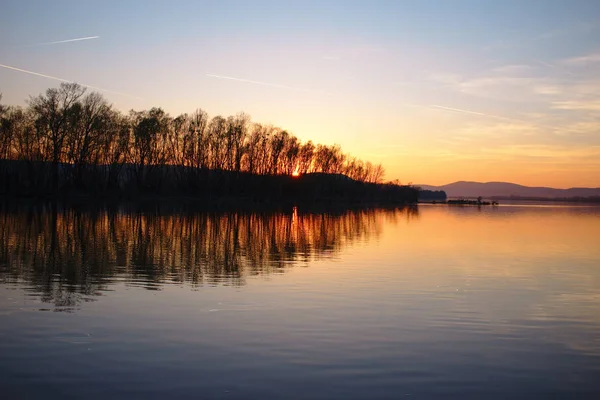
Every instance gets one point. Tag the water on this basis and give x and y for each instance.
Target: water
(434, 302)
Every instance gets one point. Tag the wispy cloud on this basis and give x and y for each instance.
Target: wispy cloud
(514, 83)
(523, 126)
(68, 81)
(513, 70)
(509, 82)
(590, 105)
(583, 60)
(61, 41)
(275, 85)
(547, 90)
(556, 152)
(578, 28)
(445, 78)
(553, 66)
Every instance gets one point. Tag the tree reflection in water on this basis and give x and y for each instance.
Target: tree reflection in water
(71, 254)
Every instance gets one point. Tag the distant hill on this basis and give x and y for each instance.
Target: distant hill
(505, 189)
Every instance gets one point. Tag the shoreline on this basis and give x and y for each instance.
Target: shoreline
(199, 203)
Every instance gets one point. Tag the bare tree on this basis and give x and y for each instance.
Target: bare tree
(291, 150)
(237, 128)
(52, 112)
(305, 157)
(150, 132)
(115, 147)
(277, 144)
(217, 133)
(89, 120)
(72, 131)
(377, 174)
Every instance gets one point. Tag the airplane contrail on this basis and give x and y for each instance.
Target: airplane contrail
(61, 41)
(68, 81)
(460, 110)
(546, 64)
(265, 84)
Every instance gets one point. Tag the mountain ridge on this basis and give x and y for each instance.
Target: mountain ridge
(508, 189)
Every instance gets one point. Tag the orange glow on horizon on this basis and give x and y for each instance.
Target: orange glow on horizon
(296, 172)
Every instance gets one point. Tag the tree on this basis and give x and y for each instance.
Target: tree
(66, 136)
(115, 146)
(305, 157)
(52, 114)
(377, 174)
(149, 133)
(276, 145)
(195, 143)
(89, 119)
(290, 155)
(236, 133)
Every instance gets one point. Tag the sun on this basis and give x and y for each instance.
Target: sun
(296, 172)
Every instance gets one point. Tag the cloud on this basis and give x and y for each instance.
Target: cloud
(275, 85)
(485, 86)
(553, 66)
(513, 69)
(556, 152)
(578, 28)
(68, 81)
(445, 78)
(583, 60)
(61, 41)
(548, 90)
(590, 105)
(499, 130)
(523, 83)
(543, 129)
(508, 82)
(580, 94)
(523, 127)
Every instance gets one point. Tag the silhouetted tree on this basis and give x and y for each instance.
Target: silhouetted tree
(53, 115)
(89, 121)
(150, 135)
(67, 137)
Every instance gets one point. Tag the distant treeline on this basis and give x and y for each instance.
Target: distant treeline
(67, 140)
(432, 195)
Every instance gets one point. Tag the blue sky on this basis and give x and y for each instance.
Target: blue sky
(436, 91)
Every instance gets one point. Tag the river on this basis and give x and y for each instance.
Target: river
(437, 301)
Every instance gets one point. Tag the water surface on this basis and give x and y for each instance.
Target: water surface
(439, 301)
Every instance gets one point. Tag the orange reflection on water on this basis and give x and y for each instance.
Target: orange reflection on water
(85, 248)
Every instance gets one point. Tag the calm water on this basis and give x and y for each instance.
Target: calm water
(434, 302)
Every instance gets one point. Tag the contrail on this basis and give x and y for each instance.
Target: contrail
(460, 110)
(68, 81)
(265, 84)
(61, 41)
(546, 64)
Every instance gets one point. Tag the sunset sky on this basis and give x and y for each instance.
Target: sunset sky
(436, 91)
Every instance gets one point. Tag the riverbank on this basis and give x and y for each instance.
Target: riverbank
(226, 189)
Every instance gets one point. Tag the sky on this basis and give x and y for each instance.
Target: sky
(435, 91)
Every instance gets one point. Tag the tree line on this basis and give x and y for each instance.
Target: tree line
(68, 138)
